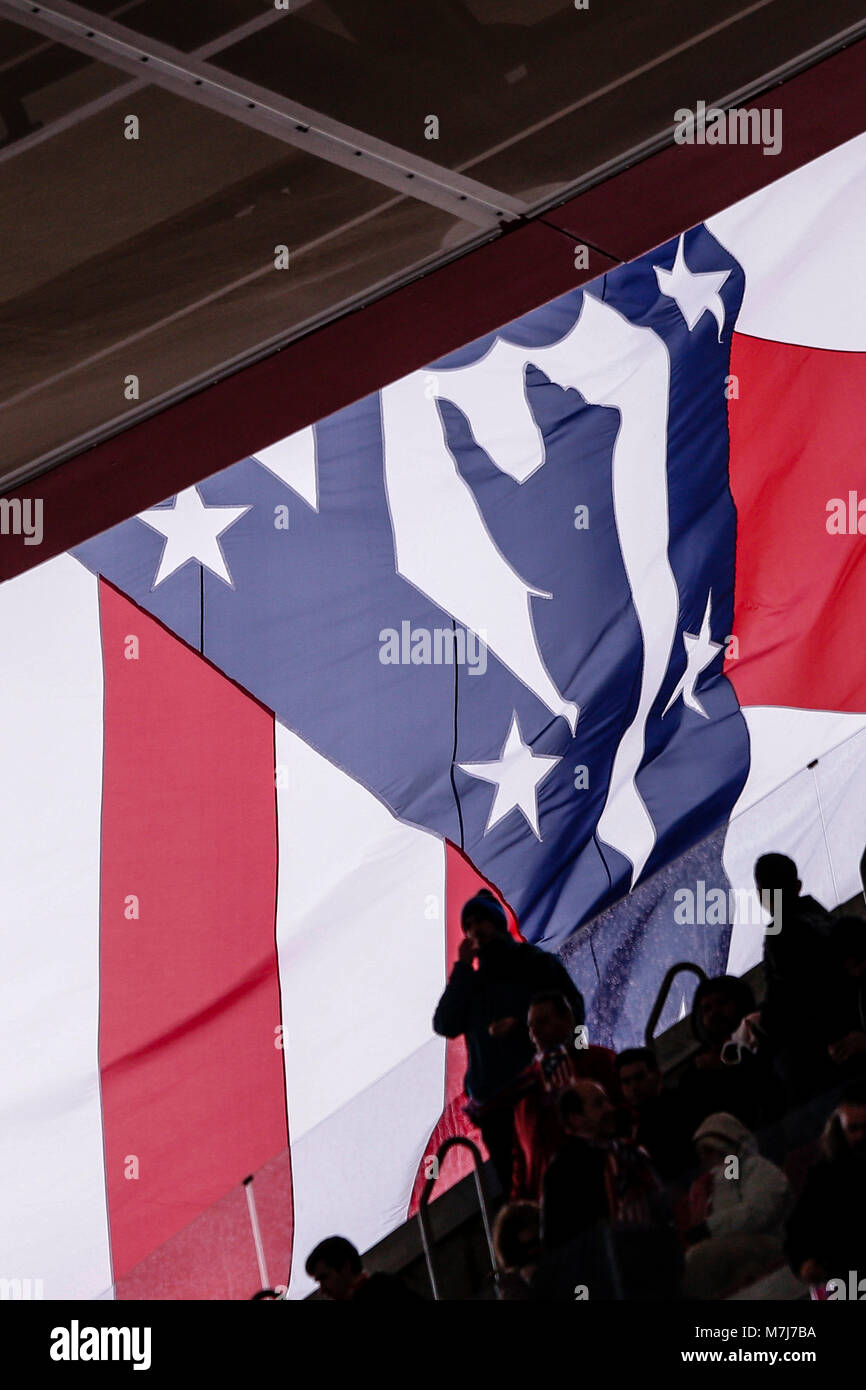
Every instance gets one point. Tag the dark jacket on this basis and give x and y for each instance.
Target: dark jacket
(846, 1007)
(796, 962)
(574, 1196)
(747, 1090)
(606, 1216)
(509, 973)
(797, 971)
(744, 1090)
(828, 1223)
(662, 1127)
(538, 1132)
(384, 1288)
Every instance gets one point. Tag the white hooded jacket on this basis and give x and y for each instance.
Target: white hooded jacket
(756, 1201)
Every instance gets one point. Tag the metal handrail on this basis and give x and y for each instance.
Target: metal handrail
(664, 991)
(427, 1193)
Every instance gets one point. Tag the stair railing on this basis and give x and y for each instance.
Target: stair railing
(424, 1216)
(664, 991)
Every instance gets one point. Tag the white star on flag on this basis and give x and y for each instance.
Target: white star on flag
(191, 532)
(517, 775)
(700, 651)
(694, 291)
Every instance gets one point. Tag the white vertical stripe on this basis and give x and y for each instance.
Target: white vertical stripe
(787, 819)
(782, 741)
(53, 1219)
(800, 242)
(353, 1174)
(361, 942)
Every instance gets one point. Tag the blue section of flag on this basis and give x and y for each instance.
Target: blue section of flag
(622, 956)
(301, 627)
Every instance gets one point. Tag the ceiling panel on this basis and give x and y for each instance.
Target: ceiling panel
(173, 286)
(504, 79)
(154, 257)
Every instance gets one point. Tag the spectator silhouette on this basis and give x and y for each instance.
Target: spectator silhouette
(657, 1118)
(709, 1085)
(486, 1000)
(604, 1211)
(737, 1209)
(796, 977)
(517, 1243)
(826, 1232)
(338, 1269)
(574, 1195)
(561, 1058)
(845, 1027)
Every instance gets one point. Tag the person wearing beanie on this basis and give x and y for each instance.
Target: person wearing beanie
(486, 1001)
(738, 1208)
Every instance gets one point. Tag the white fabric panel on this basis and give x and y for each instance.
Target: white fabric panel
(293, 460)
(789, 821)
(784, 741)
(361, 943)
(53, 1215)
(353, 1175)
(800, 242)
(841, 781)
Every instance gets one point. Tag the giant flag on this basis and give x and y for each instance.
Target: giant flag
(572, 612)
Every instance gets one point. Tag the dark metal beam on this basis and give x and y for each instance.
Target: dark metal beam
(267, 111)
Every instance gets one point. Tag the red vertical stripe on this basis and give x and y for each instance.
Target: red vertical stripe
(215, 1257)
(798, 440)
(192, 1082)
(462, 881)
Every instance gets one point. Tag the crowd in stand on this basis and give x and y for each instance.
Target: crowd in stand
(618, 1185)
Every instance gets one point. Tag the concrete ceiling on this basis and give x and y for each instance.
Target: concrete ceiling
(307, 128)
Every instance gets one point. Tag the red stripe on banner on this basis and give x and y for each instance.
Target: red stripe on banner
(215, 1257)
(798, 441)
(462, 882)
(193, 1090)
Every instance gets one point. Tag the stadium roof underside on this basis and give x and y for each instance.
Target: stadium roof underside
(430, 174)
